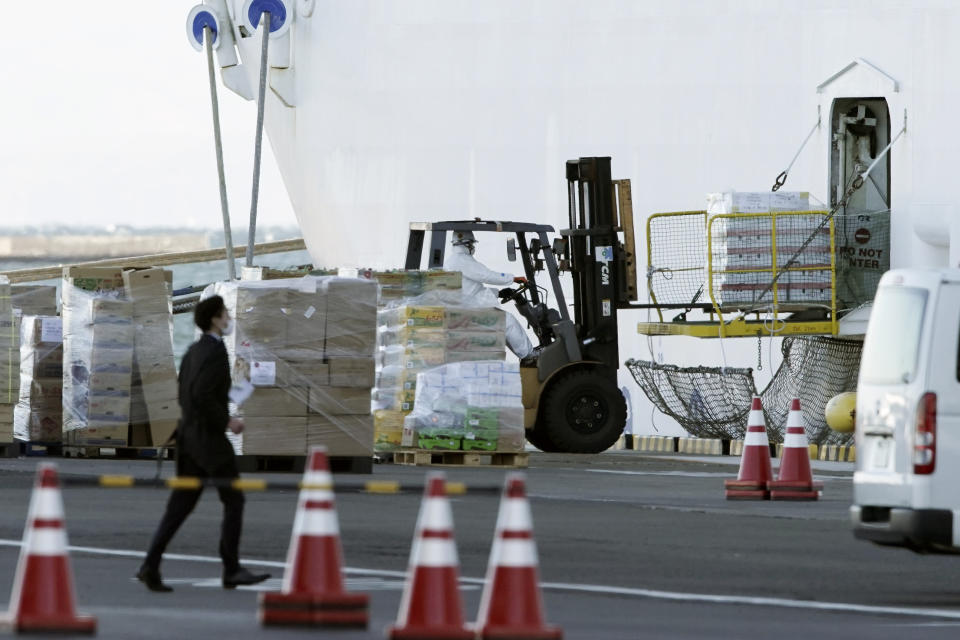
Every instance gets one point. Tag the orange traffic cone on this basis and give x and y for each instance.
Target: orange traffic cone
(755, 472)
(313, 588)
(431, 606)
(43, 598)
(795, 479)
(511, 605)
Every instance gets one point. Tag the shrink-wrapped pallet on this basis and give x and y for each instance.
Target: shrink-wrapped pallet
(307, 347)
(469, 406)
(38, 416)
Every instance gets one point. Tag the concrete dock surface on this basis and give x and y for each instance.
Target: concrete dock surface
(631, 546)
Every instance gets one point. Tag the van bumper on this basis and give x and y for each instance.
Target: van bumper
(919, 529)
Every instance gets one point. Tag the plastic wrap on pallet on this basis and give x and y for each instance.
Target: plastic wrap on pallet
(469, 406)
(98, 340)
(38, 416)
(9, 360)
(154, 406)
(306, 346)
(34, 299)
(422, 333)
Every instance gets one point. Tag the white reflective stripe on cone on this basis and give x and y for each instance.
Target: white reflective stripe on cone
(322, 495)
(46, 504)
(795, 440)
(319, 478)
(755, 438)
(795, 419)
(47, 541)
(436, 514)
(514, 515)
(756, 419)
(516, 552)
(316, 522)
(436, 552)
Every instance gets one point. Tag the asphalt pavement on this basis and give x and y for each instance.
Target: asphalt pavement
(631, 546)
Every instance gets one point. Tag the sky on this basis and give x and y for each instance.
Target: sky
(106, 119)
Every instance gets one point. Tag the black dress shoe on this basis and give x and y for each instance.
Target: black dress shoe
(151, 578)
(242, 577)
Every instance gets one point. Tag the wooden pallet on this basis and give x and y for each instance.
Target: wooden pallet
(251, 463)
(9, 449)
(41, 449)
(421, 457)
(119, 453)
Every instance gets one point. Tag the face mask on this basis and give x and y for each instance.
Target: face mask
(227, 330)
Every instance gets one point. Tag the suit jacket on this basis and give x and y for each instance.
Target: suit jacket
(204, 385)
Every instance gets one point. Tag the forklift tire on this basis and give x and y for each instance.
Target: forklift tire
(538, 438)
(582, 412)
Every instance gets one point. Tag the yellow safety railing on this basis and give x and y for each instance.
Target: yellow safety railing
(775, 271)
(687, 250)
(698, 220)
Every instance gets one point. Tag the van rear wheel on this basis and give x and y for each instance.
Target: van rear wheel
(582, 412)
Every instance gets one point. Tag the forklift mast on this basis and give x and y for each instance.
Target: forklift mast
(596, 257)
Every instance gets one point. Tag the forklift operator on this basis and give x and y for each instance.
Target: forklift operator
(475, 275)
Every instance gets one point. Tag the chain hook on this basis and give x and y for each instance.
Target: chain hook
(759, 353)
(779, 182)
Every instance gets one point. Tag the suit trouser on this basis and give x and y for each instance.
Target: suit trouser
(181, 504)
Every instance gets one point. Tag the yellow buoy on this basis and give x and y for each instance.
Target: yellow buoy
(841, 412)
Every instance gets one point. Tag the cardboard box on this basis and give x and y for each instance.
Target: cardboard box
(149, 290)
(108, 360)
(275, 436)
(305, 315)
(342, 435)
(313, 373)
(94, 278)
(480, 319)
(104, 310)
(110, 434)
(112, 334)
(288, 402)
(111, 407)
(161, 430)
(387, 429)
(352, 372)
(476, 341)
(351, 329)
(339, 401)
(34, 299)
(118, 382)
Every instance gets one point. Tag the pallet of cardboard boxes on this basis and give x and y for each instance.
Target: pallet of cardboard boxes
(307, 346)
(119, 378)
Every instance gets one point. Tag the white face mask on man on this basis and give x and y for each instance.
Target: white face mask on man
(228, 328)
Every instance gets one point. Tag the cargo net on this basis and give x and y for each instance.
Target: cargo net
(678, 257)
(711, 402)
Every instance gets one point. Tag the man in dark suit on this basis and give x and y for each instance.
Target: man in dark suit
(203, 450)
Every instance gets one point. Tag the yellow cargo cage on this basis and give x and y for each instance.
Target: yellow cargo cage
(751, 274)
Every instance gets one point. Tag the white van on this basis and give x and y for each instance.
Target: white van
(906, 488)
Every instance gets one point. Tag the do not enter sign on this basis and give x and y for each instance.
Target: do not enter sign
(862, 236)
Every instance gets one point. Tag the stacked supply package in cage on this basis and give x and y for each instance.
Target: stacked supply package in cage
(418, 336)
(307, 346)
(38, 416)
(469, 406)
(743, 247)
(154, 409)
(9, 360)
(98, 339)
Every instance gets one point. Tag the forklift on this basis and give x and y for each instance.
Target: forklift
(571, 399)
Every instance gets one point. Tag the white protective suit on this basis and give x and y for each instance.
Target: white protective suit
(475, 275)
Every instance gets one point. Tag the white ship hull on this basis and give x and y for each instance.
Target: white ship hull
(381, 113)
